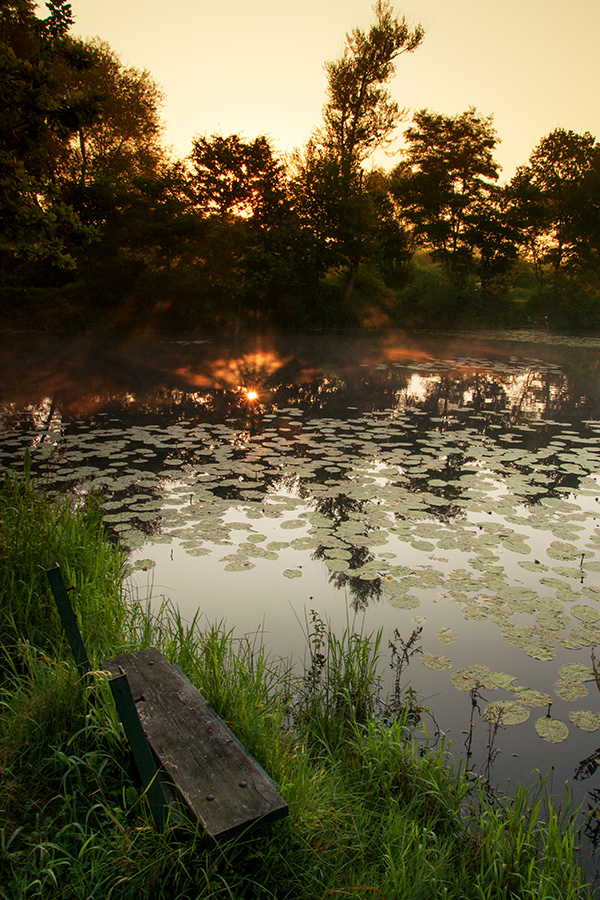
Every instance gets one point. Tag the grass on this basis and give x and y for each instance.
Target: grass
(376, 810)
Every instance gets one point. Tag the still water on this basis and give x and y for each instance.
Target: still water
(444, 482)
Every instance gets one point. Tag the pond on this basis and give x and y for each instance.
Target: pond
(442, 482)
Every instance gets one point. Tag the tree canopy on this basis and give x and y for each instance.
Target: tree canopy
(98, 220)
(446, 182)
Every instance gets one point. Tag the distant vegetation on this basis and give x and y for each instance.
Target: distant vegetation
(99, 226)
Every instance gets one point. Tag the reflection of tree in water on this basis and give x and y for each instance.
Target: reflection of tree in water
(341, 509)
(451, 391)
(515, 395)
(364, 591)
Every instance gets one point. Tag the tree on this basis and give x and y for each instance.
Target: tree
(582, 231)
(253, 253)
(37, 118)
(556, 196)
(359, 117)
(122, 138)
(446, 186)
(233, 177)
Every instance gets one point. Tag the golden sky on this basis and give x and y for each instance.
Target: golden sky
(256, 66)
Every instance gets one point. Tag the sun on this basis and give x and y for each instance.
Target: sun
(251, 395)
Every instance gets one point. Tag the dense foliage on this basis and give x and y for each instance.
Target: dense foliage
(98, 225)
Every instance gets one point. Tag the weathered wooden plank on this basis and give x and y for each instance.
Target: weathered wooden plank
(223, 786)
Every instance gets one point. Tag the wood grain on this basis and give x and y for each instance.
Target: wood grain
(221, 784)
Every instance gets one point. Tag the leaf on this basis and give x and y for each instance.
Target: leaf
(584, 719)
(552, 730)
(435, 662)
(506, 712)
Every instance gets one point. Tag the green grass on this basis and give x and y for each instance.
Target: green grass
(375, 809)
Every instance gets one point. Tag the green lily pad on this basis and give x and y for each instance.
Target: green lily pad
(570, 690)
(506, 712)
(446, 635)
(404, 601)
(564, 551)
(144, 564)
(530, 697)
(584, 719)
(585, 613)
(502, 680)
(552, 730)
(435, 662)
(575, 672)
(473, 676)
(539, 652)
(242, 565)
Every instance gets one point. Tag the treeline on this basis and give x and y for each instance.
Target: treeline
(100, 226)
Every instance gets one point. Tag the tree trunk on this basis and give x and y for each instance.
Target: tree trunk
(350, 284)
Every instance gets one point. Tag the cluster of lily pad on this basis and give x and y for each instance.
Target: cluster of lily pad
(496, 513)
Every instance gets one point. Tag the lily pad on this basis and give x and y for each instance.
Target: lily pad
(584, 719)
(506, 712)
(144, 564)
(570, 690)
(446, 635)
(241, 565)
(530, 697)
(585, 613)
(502, 680)
(435, 662)
(552, 730)
(404, 601)
(472, 677)
(564, 551)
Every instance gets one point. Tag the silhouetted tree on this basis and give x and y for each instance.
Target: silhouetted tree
(556, 196)
(359, 116)
(38, 116)
(446, 186)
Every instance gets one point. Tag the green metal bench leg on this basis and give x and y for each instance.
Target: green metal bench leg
(124, 702)
(140, 749)
(69, 619)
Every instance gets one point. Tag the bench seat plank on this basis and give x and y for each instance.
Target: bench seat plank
(222, 785)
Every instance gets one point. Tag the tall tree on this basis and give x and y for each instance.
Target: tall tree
(360, 114)
(37, 118)
(122, 139)
(446, 184)
(558, 213)
(253, 254)
(359, 117)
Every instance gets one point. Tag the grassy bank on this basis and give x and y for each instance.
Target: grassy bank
(371, 813)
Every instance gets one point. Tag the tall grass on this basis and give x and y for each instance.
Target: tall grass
(374, 812)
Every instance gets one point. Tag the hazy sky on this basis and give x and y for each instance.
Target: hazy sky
(256, 66)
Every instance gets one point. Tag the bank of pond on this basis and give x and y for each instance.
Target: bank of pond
(379, 803)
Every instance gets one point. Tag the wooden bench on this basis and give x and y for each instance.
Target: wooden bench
(181, 747)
